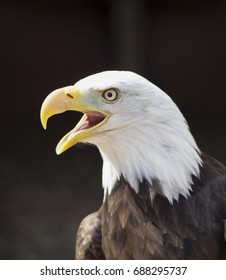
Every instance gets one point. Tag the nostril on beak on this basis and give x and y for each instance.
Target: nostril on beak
(69, 96)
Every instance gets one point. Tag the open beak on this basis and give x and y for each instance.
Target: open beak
(69, 98)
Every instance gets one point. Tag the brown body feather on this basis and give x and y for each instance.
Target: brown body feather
(131, 226)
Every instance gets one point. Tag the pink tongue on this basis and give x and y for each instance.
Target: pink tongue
(94, 120)
(89, 120)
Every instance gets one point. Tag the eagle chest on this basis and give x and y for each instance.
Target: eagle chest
(134, 228)
(128, 232)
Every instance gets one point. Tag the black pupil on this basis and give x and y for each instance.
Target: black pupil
(109, 94)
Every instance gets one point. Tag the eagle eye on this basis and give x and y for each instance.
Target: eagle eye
(110, 95)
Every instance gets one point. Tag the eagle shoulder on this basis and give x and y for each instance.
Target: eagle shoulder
(88, 240)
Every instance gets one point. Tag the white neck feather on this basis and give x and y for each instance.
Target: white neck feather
(158, 147)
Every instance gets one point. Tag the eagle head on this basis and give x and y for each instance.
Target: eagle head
(138, 129)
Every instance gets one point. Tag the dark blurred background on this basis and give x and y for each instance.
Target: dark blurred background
(179, 45)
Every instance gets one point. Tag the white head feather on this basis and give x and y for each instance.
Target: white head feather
(146, 136)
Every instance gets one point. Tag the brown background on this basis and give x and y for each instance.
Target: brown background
(179, 45)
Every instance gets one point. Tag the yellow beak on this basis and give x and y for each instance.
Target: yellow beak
(69, 98)
(58, 101)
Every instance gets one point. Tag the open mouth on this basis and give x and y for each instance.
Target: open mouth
(71, 99)
(89, 120)
(84, 129)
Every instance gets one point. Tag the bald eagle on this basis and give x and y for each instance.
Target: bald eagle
(163, 197)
